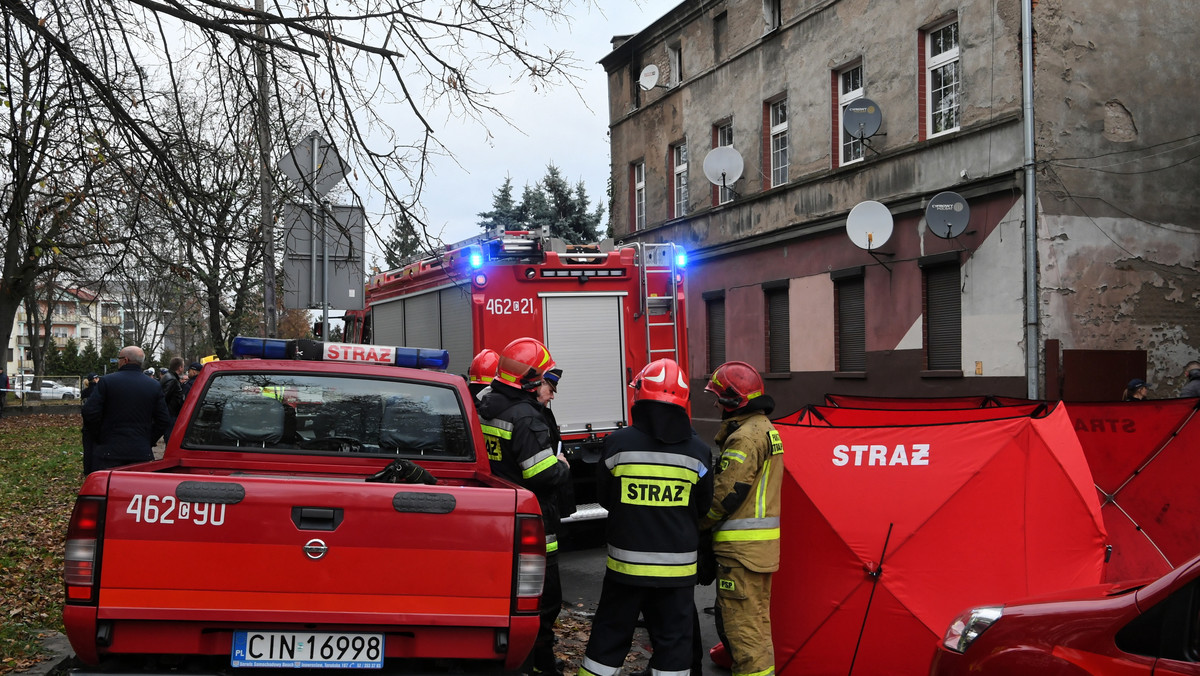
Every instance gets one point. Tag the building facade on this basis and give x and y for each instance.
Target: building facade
(75, 313)
(776, 280)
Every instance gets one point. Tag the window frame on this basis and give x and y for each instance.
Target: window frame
(777, 140)
(845, 98)
(637, 194)
(679, 179)
(723, 136)
(675, 64)
(951, 57)
(772, 15)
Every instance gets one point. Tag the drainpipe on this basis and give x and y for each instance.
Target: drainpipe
(1032, 347)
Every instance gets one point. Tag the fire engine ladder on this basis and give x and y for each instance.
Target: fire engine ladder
(659, 259)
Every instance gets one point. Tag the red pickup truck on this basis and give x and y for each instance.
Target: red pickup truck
(269, 535)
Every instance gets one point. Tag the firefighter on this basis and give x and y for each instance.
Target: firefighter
(655, 479)
(520, 449)
(482, 371)
(744, 516)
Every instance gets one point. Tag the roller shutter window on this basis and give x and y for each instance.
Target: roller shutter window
(943, 318)
(715, 308)
(778, 331)
(851, 325)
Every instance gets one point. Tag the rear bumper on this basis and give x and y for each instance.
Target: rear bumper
(149, 647)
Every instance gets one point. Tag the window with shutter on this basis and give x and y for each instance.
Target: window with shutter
(778, 331)
(715, 308)
(851, 325)
(943, 318)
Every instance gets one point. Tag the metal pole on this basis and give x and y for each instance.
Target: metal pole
(266, 203)
(315, 221)
(324, 273)
(1032, 348)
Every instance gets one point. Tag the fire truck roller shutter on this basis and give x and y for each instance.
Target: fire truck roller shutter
(387, 323)
(422, 321)
(456, 328)
(584, 333)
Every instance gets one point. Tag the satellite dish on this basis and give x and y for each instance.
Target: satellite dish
(862, 118)
(947, 214)
(869, 225)
(649, 78)
(723, 166)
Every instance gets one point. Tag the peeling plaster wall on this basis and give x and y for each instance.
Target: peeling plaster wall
(1117, 182)
(1113, 283)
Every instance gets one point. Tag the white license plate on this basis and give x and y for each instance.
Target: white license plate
(307, 650)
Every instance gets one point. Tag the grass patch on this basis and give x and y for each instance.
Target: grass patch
(41, 469)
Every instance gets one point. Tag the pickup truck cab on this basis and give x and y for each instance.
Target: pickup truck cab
(269, 535)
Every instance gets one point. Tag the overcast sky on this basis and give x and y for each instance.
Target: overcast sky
(558, 126)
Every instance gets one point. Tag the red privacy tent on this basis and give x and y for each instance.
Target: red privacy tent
(1144, 458)
(889, 532)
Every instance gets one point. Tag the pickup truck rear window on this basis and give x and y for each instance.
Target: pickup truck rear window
(274, 412)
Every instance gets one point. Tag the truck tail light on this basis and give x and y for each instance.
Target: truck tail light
(82, 555)
(529, 571)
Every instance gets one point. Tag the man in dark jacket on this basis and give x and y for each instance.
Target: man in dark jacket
(520, 449)
(656, 482)
(193, 372)
(125, 415)
(172, 390)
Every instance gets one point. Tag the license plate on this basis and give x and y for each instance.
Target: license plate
(307, 650)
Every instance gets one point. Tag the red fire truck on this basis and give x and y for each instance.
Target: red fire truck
(603, 310)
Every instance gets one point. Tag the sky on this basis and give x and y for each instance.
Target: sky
(560, 126)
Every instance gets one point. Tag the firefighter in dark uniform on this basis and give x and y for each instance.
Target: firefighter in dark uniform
(520, 449)
(482, 371)
(656, 481)
(744, 517)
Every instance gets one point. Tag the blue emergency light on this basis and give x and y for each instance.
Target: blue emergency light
(475, 257)
(312, 350)
(264, 348)
(680, 258)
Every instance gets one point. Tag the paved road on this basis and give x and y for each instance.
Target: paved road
(581, 566)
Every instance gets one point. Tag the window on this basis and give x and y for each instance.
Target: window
(720, 28)
(679, 163)
(850, 323)
(944, 78)
(723, 136)
(639, 195)
(675, 61)
(330, 414)
(850, 89)
(772, 14)
(779, 142)
(714, 308)
(777, 329)
(943, 313)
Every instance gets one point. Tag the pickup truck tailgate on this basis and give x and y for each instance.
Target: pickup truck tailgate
(243, 549)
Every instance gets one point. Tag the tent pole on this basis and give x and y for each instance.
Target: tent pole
(874, 575)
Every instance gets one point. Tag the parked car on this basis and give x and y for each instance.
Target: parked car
(1151, 627)
(50, 390)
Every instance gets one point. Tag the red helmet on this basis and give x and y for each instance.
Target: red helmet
(661, 380)
(523, 362)
(483, 368)
(735, 383)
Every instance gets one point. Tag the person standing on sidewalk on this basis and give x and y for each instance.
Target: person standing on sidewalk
(744, 516)
(125, 415)
(656, 482)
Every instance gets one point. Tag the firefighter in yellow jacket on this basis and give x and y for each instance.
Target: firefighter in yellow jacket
(744, 517)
